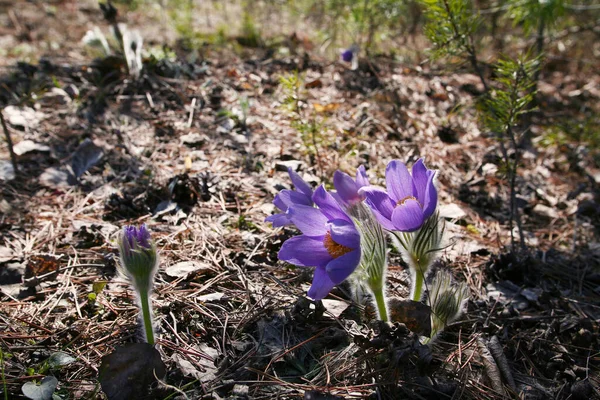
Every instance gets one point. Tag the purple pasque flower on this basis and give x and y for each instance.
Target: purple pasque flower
(329, 241)
(348, 188)
(138, 255)
(347, 55)
(350, 55)
(137, 236)
(302, 195)
(409, 200)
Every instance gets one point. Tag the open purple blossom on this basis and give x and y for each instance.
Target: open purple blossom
(409, 200)
(302, 195)
(329, 241)
(348, 188)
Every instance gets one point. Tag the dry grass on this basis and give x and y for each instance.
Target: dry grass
(240, 325)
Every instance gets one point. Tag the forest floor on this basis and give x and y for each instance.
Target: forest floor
(197, 150)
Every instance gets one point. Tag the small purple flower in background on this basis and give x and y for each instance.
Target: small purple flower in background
(302, 195)
(409, 200)
(350, 55)
(348, 188)
(329, 242)
(347, 55)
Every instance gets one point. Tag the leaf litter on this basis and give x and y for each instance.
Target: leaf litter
(229, 314)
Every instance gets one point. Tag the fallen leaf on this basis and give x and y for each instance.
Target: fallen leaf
(335, 307)
(317, 83)
(211, 297)
(206, 371)
(452, 211)
(327, 108)
(60, 359)
(129, 371)
(86, 156)
(414, 314)
(6, 254)
(7, 172)
(26, 146)
(41, 391)
(164, 207)
(42, 265)
(11, 273)
(186, 367)
(185, 268)
(22, 117)
(55, 178)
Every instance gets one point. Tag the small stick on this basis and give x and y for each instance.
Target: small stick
(191, 117)
(13, 157)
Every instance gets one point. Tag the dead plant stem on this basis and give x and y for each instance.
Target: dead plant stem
(13, 157)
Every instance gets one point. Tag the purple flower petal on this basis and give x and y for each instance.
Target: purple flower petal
(408, 217)
(361, 177)
(420, 179)
(287, 198)
(321, 284)
(309, 220)
(342, 267)
(385, 222)
(304, 251)
(380, 200)
(300, 184)
(143, 237)
(278, 220)
(398, 181)
(344, 233)
(328, 205)
(431, 198)
(337, 198)
(346, 187)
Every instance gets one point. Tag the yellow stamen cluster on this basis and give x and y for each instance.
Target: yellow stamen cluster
(404, 200)
(334, 249)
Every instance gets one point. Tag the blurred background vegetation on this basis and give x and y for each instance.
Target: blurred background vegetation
(446, 34)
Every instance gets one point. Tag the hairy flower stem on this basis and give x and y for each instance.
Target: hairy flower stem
(380, 302)
(418, 285)
(374, 255)
(147, 316)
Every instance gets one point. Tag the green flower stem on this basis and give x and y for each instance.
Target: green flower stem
(418, 288)
(380, 301)
(146, 317)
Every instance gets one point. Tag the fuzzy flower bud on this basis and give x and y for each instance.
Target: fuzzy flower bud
(138, 255)
(373, 264)
(446, 299)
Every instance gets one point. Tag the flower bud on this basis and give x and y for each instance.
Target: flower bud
(138, 256)
(446, 306)
(446, 299)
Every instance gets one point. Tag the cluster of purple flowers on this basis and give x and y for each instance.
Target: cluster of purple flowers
(331, 238)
